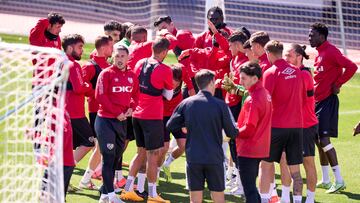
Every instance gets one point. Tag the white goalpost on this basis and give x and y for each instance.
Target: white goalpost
(32, 92)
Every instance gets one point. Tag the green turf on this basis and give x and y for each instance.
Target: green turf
(346, 145)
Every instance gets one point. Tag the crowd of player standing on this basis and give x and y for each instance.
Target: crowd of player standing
(282, 112)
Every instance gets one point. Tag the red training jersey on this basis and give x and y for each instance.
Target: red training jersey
(309, 116)
(75, 95)
(329, 65)
(89, 73)
(68, 154)
(264, 63)
(116, 91)
(204, 39)
(169, 106)
(37, 36)
(152, 107)
(287, 89)
(255, 115)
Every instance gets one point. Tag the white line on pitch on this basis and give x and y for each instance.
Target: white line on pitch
(354, 86)
(349, 112)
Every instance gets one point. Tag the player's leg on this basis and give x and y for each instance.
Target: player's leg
(84, 136)
(249, 168)
(94, 161)
(294, 157)
(195, 181)
(285, 179)
(164, 151)
(310, 135)
(214, 176)
(141, 178)
(68, 171)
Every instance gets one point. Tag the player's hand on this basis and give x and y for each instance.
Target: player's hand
(212, 27)
(121, 117)
(357, 129)
(129, 112)
(184, 53)
(335, 90)
(191, 92)
(162, 32)
(184, 130)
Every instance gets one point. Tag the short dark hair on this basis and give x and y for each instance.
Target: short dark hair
(160, 44)
(247, 44)
(251, 69)
(71, 39)
(102, 41)
(55, 18)
(126, 30)
(260, 37)
(300, 50)
(121, 48)
(215, 9)
(321, 28)
(274, 47)
(112, 25)
(161, 19)
(203, 78)
(177, 72)
(238, 36)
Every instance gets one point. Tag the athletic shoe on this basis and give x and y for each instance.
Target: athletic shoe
(235, 191)
(167, 173)
(89, 185)
(104, 200)
(119, 184)
(97, 175)
(323, 185)
(157, 199)
(143, 194)
(230, 183)
(336, 187)
(131, 196)
(73, 188)
(274, 199)
(116, 200)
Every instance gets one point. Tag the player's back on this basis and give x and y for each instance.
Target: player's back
(285, 84)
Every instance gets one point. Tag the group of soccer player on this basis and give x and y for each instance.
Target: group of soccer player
(282, 112)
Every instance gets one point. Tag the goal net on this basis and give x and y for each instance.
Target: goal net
(32, 92)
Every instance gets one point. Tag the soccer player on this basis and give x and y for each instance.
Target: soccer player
(76, 89)
(257, 42)
(91, 71)
(295, 56)
(187, 42)
(216, 16)
(332, 70)
(113, 29)
(203, 117)
(155, 79)
(253, 141)
(125, 35)
(47, 30)
(356, 129)
(284, 83)
(180, 137)
(117, 94)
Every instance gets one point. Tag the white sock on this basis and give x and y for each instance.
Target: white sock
(169, 160)
(87, 175)
(152, 189)
(265, 198)
(310, 197)
(229, 172)
(237, 178)
(338, 177)
(103, 196)
(118, 175)
(285, 193)
(112, 195)
(325, 174)
(129, 186)
(272, 190)
(141, 177)
(297, 198)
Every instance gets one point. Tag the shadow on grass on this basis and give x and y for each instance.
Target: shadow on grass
(84, 193)
(351, 195)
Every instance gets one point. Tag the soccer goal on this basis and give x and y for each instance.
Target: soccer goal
(32, 92)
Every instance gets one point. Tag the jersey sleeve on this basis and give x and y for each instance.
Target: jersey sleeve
(76, 79)
(88, 72)
(269, 81)
(37, 34)
(134, 93)
(168, 79)
(228, 121)
(222, 41)
(344, 63)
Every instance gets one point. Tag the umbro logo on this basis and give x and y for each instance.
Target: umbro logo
(288, 71)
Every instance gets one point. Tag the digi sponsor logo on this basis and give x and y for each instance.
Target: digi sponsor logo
(122, 89)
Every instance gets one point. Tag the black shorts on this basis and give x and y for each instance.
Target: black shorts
(327, 112)
(213, 174)
(310, 135)
(177, 135)
(92, 117)
(111, 135)
(130, 130)
(235, 110)
(83, 135)
(149, 134)
(289, 140)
